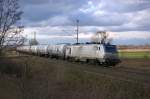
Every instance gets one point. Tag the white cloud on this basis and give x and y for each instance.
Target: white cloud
(90, 7)
(131, 35)
(123, 19)
(56, 32)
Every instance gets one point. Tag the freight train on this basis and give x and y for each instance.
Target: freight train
(104, 54)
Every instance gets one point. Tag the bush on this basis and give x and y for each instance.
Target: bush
(8, 67)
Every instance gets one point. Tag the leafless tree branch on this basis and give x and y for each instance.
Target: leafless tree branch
(10, 31)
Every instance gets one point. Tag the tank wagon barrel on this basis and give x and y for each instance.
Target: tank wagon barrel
(42, 50)
(100, 53)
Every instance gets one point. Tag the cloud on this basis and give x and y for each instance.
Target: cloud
(130, 35)
(56, 32)
(56, 21)
(90, 13)
(122, 6)
(120, 17)
(35, 2)
(44, 11)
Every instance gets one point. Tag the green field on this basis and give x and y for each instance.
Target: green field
(142, 54)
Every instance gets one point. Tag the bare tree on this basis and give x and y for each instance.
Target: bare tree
(10, 14)
(101, 37)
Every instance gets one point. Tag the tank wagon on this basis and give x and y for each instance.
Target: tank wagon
(33, 49)
(58, 51)
(24, 49)
(100, 53)
(42, 50)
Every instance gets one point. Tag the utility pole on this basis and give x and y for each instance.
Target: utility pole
(77, 31)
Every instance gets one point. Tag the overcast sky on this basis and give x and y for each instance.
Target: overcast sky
(126, 21)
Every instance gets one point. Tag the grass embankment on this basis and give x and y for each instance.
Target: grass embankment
(134, 54)
(57, 79)
(89, 86)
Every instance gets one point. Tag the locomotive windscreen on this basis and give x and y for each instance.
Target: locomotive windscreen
(110, 48)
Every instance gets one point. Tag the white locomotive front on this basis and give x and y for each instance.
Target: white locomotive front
(104, 54)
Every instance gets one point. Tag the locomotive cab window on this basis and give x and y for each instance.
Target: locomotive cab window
(110, 48)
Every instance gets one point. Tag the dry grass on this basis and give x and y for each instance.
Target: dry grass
(94, 87)
(57, 79)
